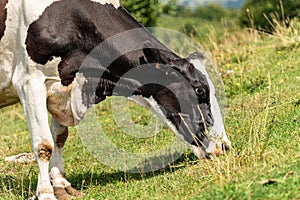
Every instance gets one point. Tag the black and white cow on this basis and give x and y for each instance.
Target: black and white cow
(62, 56)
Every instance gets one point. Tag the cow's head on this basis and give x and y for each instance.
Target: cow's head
(181, 88)
(186, 97)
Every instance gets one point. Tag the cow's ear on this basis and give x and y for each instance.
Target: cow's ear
(154, 55)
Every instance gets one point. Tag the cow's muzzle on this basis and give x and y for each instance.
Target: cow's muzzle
(216, 147)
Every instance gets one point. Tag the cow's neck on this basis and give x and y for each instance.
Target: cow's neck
(114, 38)
(114, 42)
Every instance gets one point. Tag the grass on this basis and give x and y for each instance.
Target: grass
(261, 74)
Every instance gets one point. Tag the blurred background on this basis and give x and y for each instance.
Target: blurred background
(197, 18)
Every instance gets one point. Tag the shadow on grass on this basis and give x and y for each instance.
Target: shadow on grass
(102, 178)
(20, 180)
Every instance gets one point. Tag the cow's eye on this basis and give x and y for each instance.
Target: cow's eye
(201, 92)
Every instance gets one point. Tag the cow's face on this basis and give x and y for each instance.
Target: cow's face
(187, 99)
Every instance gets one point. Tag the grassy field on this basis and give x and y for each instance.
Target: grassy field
(261, 74)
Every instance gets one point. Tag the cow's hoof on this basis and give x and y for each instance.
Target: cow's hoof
(72, 191)
(66, 193)
(61, 194)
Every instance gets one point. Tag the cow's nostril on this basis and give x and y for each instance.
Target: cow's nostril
(207, 155)
(225, 147)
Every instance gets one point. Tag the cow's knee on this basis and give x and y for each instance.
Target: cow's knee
(59, 133)
(44, 150)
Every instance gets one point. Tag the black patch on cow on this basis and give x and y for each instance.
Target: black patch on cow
(3, 15)
(71, 29)
(72, 26)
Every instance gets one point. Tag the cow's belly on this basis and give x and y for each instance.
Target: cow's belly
(8, 94)
(8, 97)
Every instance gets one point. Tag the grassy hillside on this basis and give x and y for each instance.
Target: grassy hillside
(226, 3)
(261, 74)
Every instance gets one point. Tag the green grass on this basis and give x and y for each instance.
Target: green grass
(262, 80)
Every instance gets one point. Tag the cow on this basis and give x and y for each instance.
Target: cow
(63, 56)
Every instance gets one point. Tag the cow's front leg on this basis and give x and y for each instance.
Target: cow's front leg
(32, 93)
(62, 187)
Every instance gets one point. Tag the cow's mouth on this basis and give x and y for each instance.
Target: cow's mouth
(205, 142)
(217, 146)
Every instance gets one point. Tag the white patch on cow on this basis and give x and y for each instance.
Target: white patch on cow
(215, 109)
(153, 106)
(78, 108)
(115, 3)
(57, 130)
(218, 129)
(33, 9)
